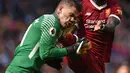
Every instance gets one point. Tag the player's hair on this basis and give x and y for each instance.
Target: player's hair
(72, 3)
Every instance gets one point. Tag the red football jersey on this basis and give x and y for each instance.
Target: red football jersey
(91, 14)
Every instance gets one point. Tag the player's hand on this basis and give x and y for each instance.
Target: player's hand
(86, 46)
(78, 47)
(99, 26)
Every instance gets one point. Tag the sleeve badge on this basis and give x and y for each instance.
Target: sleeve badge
(52, 31)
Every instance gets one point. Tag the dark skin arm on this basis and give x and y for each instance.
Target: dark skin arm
(112, 22)
(110, 26)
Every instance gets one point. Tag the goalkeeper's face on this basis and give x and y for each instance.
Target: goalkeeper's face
(67, 16)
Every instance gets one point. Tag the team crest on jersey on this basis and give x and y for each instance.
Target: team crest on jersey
(52, 31)
(108, 11)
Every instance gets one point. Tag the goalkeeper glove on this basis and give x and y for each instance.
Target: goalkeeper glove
(86, 45)
(76, 47)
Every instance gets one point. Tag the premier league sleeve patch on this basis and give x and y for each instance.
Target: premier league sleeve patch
(52, 31)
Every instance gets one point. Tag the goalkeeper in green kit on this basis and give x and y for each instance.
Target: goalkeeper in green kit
(39, 41)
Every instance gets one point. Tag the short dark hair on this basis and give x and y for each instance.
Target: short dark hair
(75, 3)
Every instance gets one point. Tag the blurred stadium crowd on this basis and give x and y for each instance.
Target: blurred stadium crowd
(16, 15)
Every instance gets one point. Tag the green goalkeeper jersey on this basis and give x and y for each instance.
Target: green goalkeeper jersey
(39, 43)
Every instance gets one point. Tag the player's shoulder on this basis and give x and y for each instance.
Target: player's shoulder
(112, 3)
(49, 16)
(46, 17)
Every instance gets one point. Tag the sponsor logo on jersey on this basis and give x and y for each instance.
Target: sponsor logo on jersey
(52, 31)
(88, 21)
(88, 13)
(91, 23)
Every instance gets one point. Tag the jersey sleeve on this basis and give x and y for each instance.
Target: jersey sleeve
(65, 40)
(116, 11)
(47, 45)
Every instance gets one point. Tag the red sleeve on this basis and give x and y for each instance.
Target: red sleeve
(67, 39)
(70, 39)
(116, 11)
(81, 29)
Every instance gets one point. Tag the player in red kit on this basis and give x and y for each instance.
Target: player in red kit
(99, 19)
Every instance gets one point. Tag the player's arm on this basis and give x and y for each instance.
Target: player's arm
(48, 48)
(49, 51)
(113, 20)
(68, 39)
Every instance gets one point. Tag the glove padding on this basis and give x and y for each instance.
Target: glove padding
(84, 46)
(79, 47)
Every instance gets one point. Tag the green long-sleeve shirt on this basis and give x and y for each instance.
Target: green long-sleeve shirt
(39, 43)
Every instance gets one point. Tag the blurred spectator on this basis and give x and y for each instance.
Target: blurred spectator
(2, 6)
(4, 60)
(123, 69)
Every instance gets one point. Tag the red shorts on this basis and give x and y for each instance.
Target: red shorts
(89, 63)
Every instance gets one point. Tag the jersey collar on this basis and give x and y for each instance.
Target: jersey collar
(98, 7)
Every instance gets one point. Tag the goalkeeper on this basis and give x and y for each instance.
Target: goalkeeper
(39, 41)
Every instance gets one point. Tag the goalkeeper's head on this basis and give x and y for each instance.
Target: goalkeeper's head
(67, 12)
